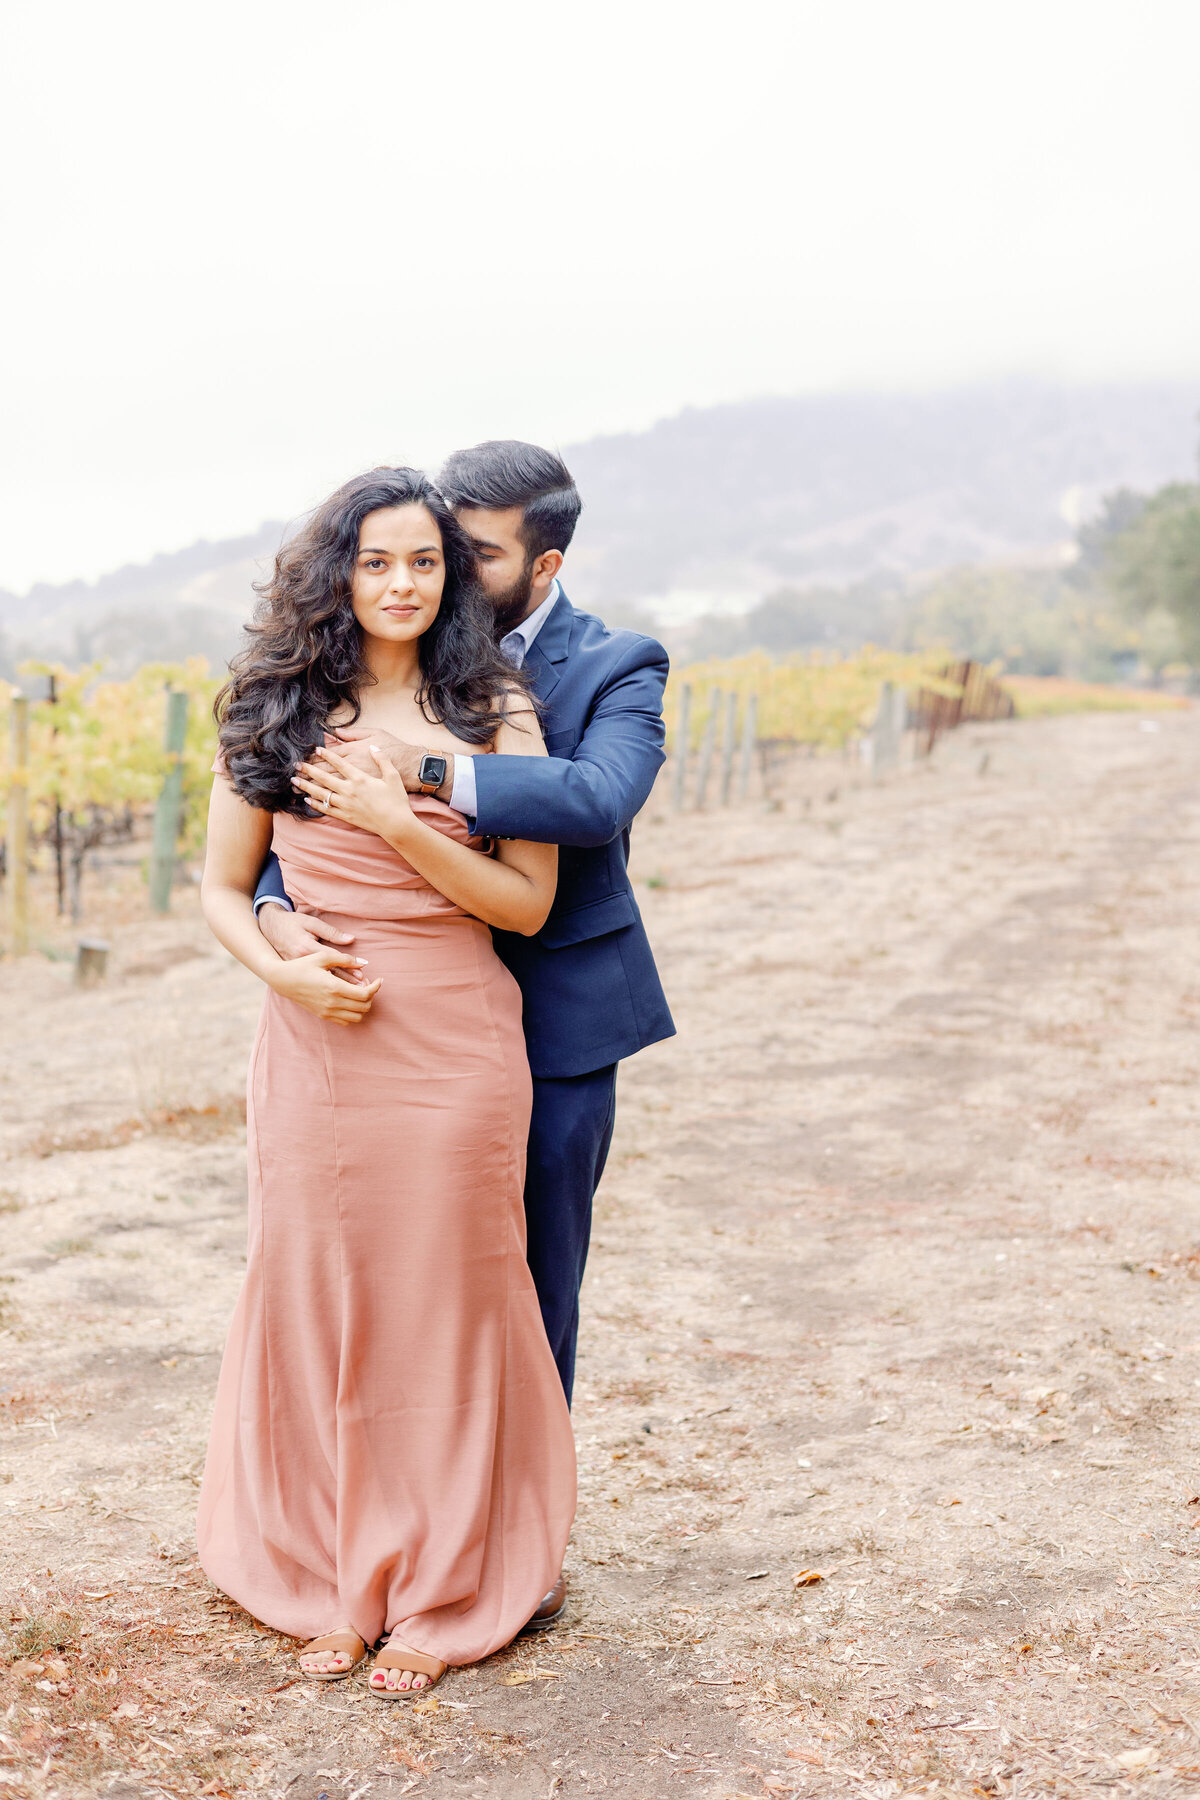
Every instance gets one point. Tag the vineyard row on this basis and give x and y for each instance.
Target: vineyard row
(98, 756)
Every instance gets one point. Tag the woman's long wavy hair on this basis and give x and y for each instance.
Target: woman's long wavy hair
(304, 659)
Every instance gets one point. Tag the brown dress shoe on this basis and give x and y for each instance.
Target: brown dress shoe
(552, 1608)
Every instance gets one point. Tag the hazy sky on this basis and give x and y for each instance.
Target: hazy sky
(252, 246)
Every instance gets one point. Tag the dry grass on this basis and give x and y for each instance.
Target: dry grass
(195, 1122)
(1044, 696)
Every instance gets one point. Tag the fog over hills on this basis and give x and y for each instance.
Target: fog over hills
(186, 603)
(712, 509)
(736, 500)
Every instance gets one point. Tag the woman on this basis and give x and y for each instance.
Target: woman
(391, 1451)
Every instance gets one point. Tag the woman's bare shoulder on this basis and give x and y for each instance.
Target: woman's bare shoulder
(520, 730)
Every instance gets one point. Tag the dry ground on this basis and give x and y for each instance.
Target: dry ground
(894, 1279)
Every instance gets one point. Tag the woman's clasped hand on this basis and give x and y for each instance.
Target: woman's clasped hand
(377, 803)
(313, 982)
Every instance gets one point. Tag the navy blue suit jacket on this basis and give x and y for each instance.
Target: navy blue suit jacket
(591, 991)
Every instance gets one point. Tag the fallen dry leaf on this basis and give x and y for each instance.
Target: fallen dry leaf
(128, 1709)
(806, 1577)
(1138, 1759)
(29, 1668)
(56, 1667)
(520, 1676)
(808, 1756)
(426, 1706)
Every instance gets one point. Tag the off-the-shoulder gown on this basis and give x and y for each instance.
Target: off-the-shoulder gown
(391, 1448)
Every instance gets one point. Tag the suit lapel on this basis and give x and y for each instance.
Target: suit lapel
(549, 649)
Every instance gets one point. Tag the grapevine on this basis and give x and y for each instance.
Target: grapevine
(96, 753)
(810, 698)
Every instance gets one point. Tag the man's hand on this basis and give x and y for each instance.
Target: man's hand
(295, 934)
(356, 741)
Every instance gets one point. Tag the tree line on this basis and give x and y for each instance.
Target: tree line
(1125, 606)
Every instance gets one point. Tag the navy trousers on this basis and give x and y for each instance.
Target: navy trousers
(569, 1135)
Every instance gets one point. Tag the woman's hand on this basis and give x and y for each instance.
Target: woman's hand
(311, 982)
(377, 803)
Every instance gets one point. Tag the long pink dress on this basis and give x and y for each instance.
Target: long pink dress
(391, 1448)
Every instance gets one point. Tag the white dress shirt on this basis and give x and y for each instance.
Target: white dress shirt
(515, 645)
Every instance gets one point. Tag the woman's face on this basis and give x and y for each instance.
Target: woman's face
(399, 573)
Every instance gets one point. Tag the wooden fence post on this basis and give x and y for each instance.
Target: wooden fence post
(683, 732)
(91, 961)
(707, 745)
(17, 835)
(728, 742)
(749, 736)
(59, 869)
(881, 745)
(170, 807)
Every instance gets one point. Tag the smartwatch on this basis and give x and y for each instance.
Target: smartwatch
(432, 773)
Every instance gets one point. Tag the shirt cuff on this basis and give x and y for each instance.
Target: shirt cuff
(273, 900)
(462, 793)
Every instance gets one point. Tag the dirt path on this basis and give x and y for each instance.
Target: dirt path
(894, 1279)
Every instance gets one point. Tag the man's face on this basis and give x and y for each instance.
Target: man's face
(506, 571)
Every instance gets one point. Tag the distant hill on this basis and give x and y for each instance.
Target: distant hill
(737, 500)
(712, 509)
(184, 603)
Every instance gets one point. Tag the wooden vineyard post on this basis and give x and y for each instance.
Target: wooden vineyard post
(883, 741)
(170, 807)
(59, 871)
(728, 743)
(749, 737)
(17, 835)
(683, 731)
(707, 746)
(91, 961)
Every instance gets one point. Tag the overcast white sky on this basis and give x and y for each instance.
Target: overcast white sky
(252, 246)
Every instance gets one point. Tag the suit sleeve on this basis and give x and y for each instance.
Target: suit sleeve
(593, 796)
(270, 884)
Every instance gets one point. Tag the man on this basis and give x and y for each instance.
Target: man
(591, 991)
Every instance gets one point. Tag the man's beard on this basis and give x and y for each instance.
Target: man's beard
(510, 607)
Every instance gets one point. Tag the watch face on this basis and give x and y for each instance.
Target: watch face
(433, 770)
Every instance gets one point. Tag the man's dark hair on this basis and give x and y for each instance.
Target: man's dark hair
(504, 473)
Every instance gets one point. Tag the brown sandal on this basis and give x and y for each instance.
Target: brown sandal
(395, 1656)
(346, 1640)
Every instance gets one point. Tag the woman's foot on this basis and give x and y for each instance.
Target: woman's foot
(331, 1657)
(391, 1678)
(398, 1679)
